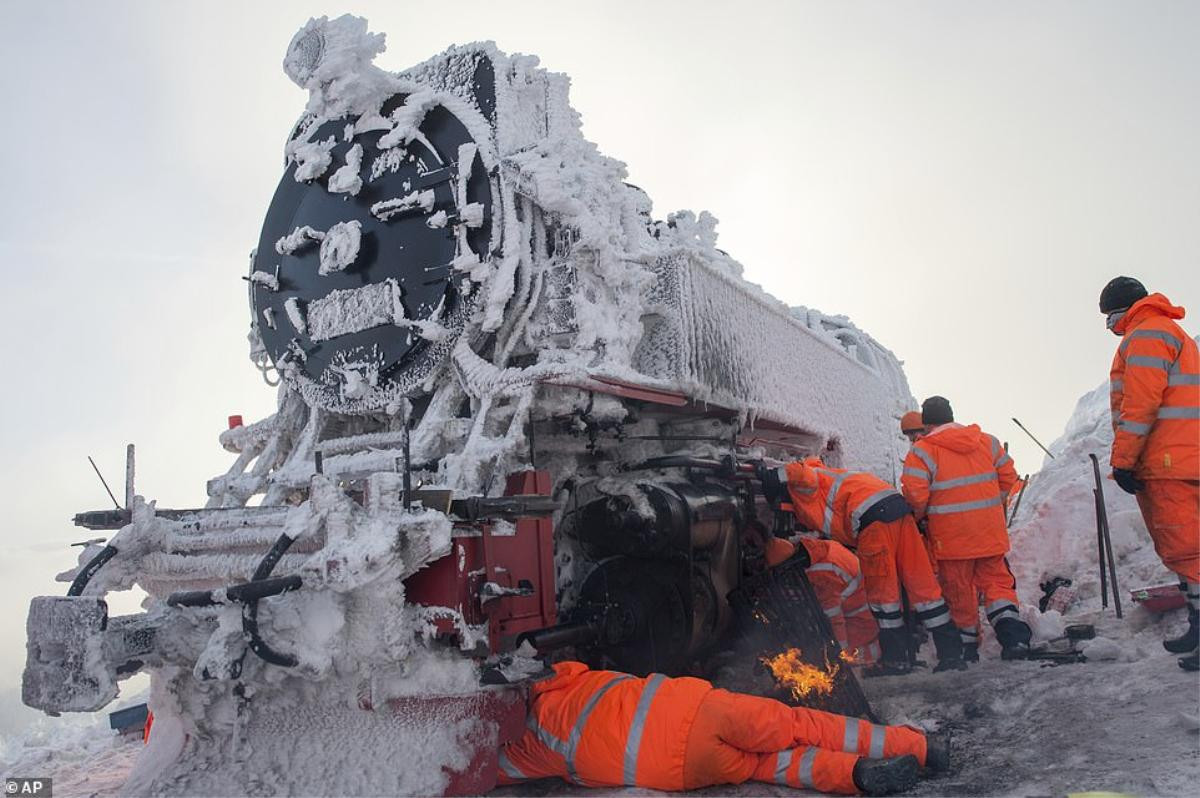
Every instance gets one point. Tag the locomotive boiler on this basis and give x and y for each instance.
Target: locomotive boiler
(515, 416)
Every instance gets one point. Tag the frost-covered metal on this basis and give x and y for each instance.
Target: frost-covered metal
(504, 386)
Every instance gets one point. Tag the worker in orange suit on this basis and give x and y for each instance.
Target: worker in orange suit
(833, 571)
(911, 426)
(1155, 398)
(955, 479)
(606, 729)
(861, 511)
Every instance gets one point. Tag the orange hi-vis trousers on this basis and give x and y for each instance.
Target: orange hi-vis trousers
(1171, 509)
(964, 580)
(891, 554)
(738, 737)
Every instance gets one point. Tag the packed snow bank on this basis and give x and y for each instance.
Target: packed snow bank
(1054, 533)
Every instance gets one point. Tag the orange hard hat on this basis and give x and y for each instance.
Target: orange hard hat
(911, 422)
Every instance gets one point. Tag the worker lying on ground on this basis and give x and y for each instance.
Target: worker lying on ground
(956, 477)
(833, 571)
(1155, 398)
(862, 512)
(604, 729)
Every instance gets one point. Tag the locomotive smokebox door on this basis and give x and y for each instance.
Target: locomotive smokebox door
(383, 237)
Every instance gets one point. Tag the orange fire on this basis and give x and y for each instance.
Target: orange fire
(851, 657)
(798, 676)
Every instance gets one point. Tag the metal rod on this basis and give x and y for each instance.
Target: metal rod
(1035, 440)
(1017, 503)
(129, 473)
(1105, 538)
(105, 484)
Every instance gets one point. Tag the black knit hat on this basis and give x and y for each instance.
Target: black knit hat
(1120, 294)
(936, 410)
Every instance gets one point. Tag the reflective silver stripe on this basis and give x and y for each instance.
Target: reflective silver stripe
(859, 611)
(886, 607)
(874, 651)
(850, 739)
(1116, 385)
(1003, 460)
(581, 721)
(995, 446)
(868, 503)
(1146, 361)
(926, 458)
(1000, 608)
(806, 767)
(1179, 412)
(827, 528)
(958, 482)
(828, 566)
(834, 611)
(970, 634)
(854, 585)
(964, 507)
(877, 733)
(1161, 335)
(510, 770)
(889, 623)
(1176, 380)
(922, 606)
(638, 726)
(1134, 427)
(938, 619)
(545, 737)
(783, 761)
(919, 473)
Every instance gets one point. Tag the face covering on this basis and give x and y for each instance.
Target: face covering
(1111, 320)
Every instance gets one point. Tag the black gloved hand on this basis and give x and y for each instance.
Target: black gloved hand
(1128, 482)
(774, 483)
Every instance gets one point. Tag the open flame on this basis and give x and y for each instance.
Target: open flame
(851, 657)
(798, 676)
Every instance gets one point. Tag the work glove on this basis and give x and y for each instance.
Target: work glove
(1127, 481)
(774, 483)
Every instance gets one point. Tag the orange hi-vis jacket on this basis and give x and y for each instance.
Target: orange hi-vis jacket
(837, 580)
(644, 746)
(1155, 393)
(833, 501)
(957, 477)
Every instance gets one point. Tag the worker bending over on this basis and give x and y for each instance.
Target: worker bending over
(834, 574)
(605, 729)
(1155, 397)
(956, 477)
(862, 512)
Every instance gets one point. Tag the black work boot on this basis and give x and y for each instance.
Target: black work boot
(1189, 640)
(948, 642)
(1013, 634)
(937, 751)
(1190, 662)
(893, 659)
(886, 776)
(970, 652)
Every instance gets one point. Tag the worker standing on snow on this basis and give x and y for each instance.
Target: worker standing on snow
(956, 478)
(1155, 397)
(862, 512)
(833, 571)
(605, 729)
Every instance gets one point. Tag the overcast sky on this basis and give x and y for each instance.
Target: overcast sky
(961, 179)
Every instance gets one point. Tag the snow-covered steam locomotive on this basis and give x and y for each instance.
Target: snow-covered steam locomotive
(513, 408)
